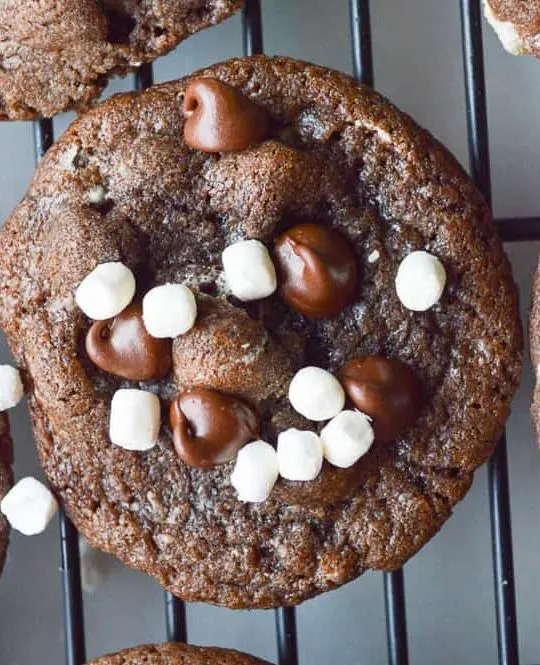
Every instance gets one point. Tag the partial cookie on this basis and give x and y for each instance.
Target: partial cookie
(57, 55)
(534, 337)
(177, 654)
(6, 480)
(517, 24)
(333, 380)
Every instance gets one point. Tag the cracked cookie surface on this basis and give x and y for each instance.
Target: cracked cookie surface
(340, 155)
(177, 654)
(58, 55)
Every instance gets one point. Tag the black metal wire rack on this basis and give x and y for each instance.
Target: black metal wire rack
(511, 230)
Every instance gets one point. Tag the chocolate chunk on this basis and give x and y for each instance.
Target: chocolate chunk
(221, 119)
(209, 427)
(318, 270)
(123, 347)
(384, 389)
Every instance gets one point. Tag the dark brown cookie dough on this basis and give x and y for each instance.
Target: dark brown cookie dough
(57, 55)
(340, 155)
(6, 480)
(177, 654)
(517, 23)
(534, 335)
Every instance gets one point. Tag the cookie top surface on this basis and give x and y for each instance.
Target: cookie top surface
(534, 335)
(339, 155)
(58, 54)
(177, 654)
(517, 23)
(6, 480)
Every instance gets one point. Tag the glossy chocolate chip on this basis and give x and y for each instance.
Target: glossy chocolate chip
(220, 119)
(209, 427)
(123, 347)
(386, 390)
(317, 269)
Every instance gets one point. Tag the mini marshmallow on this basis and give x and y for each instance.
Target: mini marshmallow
(169, 310)
(374, 256)
(255, 472)
(135, 419)
(347, 438)
(97, 195)
(106, 291)
(420, 281)
(11, 387)
(300, 455)
(29, 506)
(506, 31)
(316, 394)
(249, 270)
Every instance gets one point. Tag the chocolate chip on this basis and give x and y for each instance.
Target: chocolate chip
(384, 389)
(318, 271)
(221, 119)
(123, 347)
(209, 427)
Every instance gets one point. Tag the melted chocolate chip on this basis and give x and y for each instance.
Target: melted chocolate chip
(221, 119)
(318, 270)
(123, 347)
(209, 427)
(386, 390)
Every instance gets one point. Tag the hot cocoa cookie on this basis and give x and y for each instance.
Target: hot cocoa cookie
(59, 54)
(6, 480)
(534, 335)
(517, 24)
(177, 654)
(330, 294)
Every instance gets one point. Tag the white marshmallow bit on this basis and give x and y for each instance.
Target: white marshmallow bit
(374, 256)
(135, 419)
(420, 281)
(347, 438)
(97, 195)
(506, 31)
(169, 310)
(29, 506)
(106, 291)
(255, 472)
(316, 394)
(300, 455)
(249, 270)
(11, 387)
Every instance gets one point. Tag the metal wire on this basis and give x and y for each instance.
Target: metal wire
(477, 124)
(285, 617)
(70, 566)
(394, 587)
(511, 230)
(175, 618)
(144, 76)
(519, 229)
(286, 636)
(361, 41)
(72, 592)
(252, 32)
(396, 621)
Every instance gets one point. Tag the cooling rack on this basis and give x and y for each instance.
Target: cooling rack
(511, 230)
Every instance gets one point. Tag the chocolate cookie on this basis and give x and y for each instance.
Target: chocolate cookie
(517, 24)
(6, 480)
(177, 654)
(534, 334)
(302, 247)
(57, 55)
